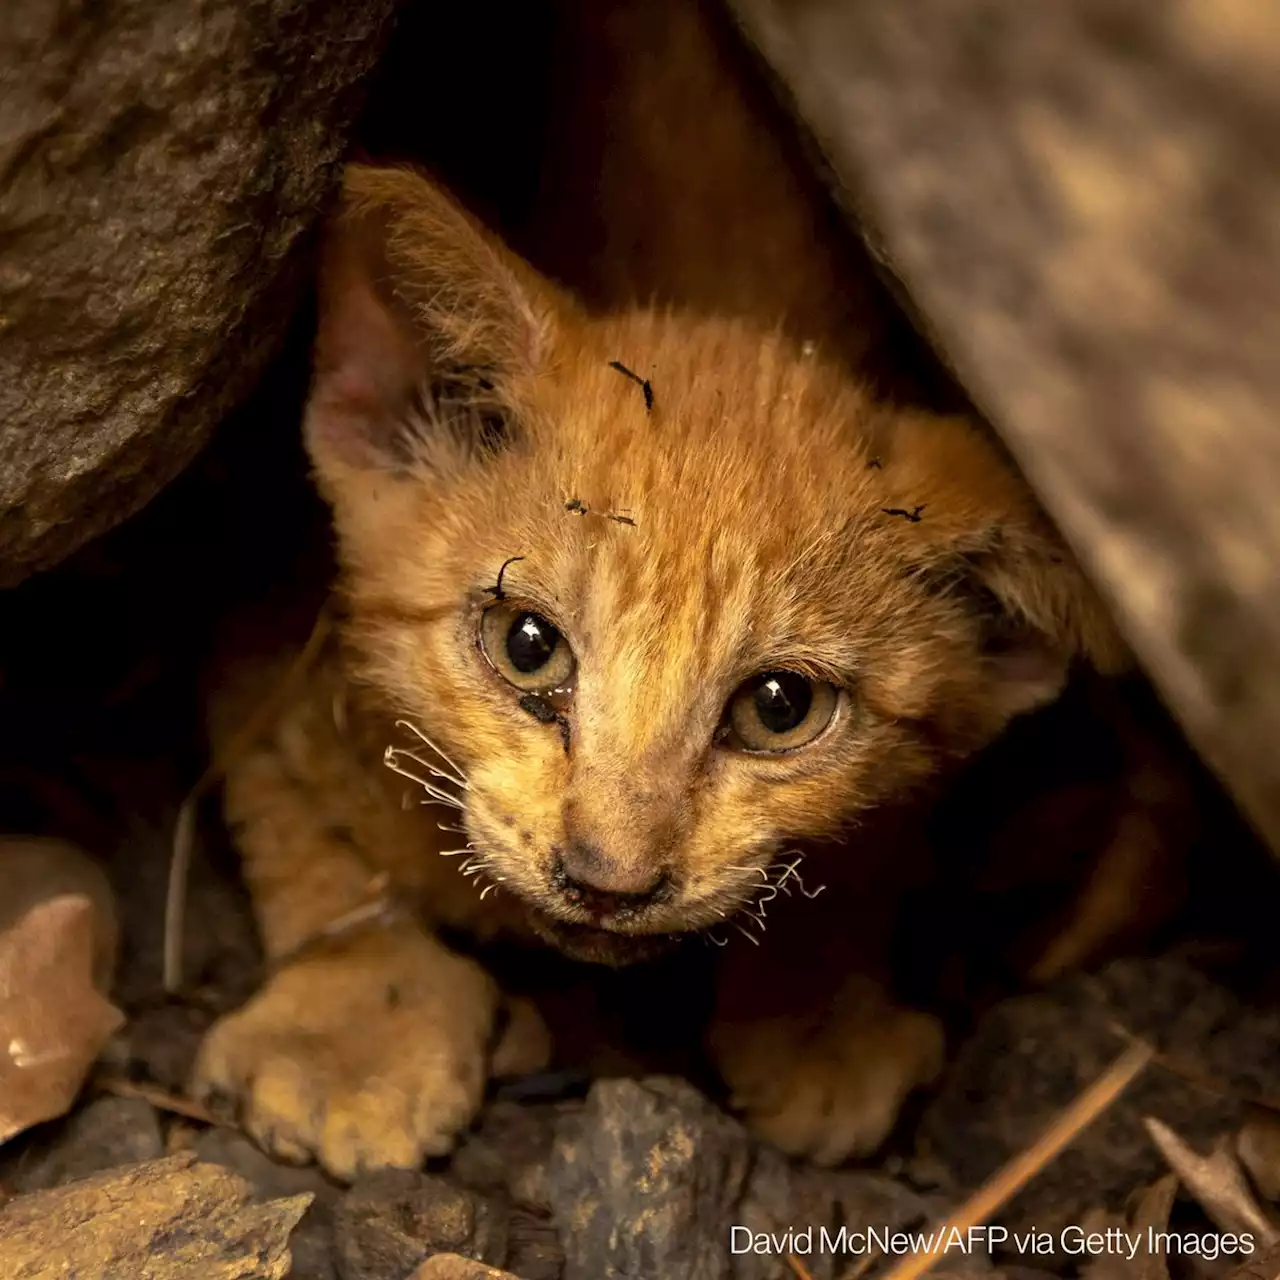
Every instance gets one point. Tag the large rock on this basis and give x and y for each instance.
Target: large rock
(1082, 201)
(170, 1219)
(161, 162)
(644, 1181)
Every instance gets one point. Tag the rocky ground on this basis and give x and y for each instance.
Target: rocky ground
(646, 1177)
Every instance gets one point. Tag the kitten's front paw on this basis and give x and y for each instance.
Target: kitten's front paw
(371, 1057)
(835, 1092)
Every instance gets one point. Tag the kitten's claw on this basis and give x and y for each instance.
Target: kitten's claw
(368, 1058)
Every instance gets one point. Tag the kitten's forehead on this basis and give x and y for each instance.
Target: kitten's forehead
(670, 613)
(688, 533)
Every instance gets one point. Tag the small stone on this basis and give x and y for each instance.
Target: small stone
(106, 1133)
(390, 1222)
(452, 1266)
(534, 1251)
(508, 1152)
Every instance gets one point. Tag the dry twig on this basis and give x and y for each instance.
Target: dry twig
(119, 1087)
(798, 1267)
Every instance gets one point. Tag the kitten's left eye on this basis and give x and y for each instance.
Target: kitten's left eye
(779, 711)
(526, 649)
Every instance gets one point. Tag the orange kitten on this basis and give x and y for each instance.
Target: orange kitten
(675, 614)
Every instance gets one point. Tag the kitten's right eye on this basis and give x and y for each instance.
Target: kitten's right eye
(525, 649)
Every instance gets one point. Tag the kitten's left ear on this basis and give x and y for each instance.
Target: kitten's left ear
(1037, 612)
(984, 541)
(426, 321)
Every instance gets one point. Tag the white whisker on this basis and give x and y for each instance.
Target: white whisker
(486, 891)
(750, 937)
(389, 758)
(461, 776)
(453, 853)
(442, 774)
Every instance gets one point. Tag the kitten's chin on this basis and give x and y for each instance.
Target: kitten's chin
(601, 946)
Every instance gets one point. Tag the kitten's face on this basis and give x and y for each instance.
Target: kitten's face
(664, 644)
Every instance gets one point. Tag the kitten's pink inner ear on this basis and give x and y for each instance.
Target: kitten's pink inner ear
(1028, 676)
(366, 368)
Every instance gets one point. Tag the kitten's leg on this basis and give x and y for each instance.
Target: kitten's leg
(826, 1083)
(815, 1053)
(369, 1053)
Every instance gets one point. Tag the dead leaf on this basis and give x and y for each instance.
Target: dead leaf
(1152, 1214)
(1151, 1209)
(1258, 1146)
(169, 1219)
(1105, 1266)
(34, 869)
(1217, 1182)
(53, 1020)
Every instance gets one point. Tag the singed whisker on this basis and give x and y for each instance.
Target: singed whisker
(791, 873)
(788, 871)
(760, 871)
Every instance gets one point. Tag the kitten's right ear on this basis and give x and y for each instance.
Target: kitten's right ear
(425, 323)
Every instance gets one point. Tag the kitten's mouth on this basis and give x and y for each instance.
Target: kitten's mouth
(600, 946)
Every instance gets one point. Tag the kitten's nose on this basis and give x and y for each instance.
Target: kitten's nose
(590, 878)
